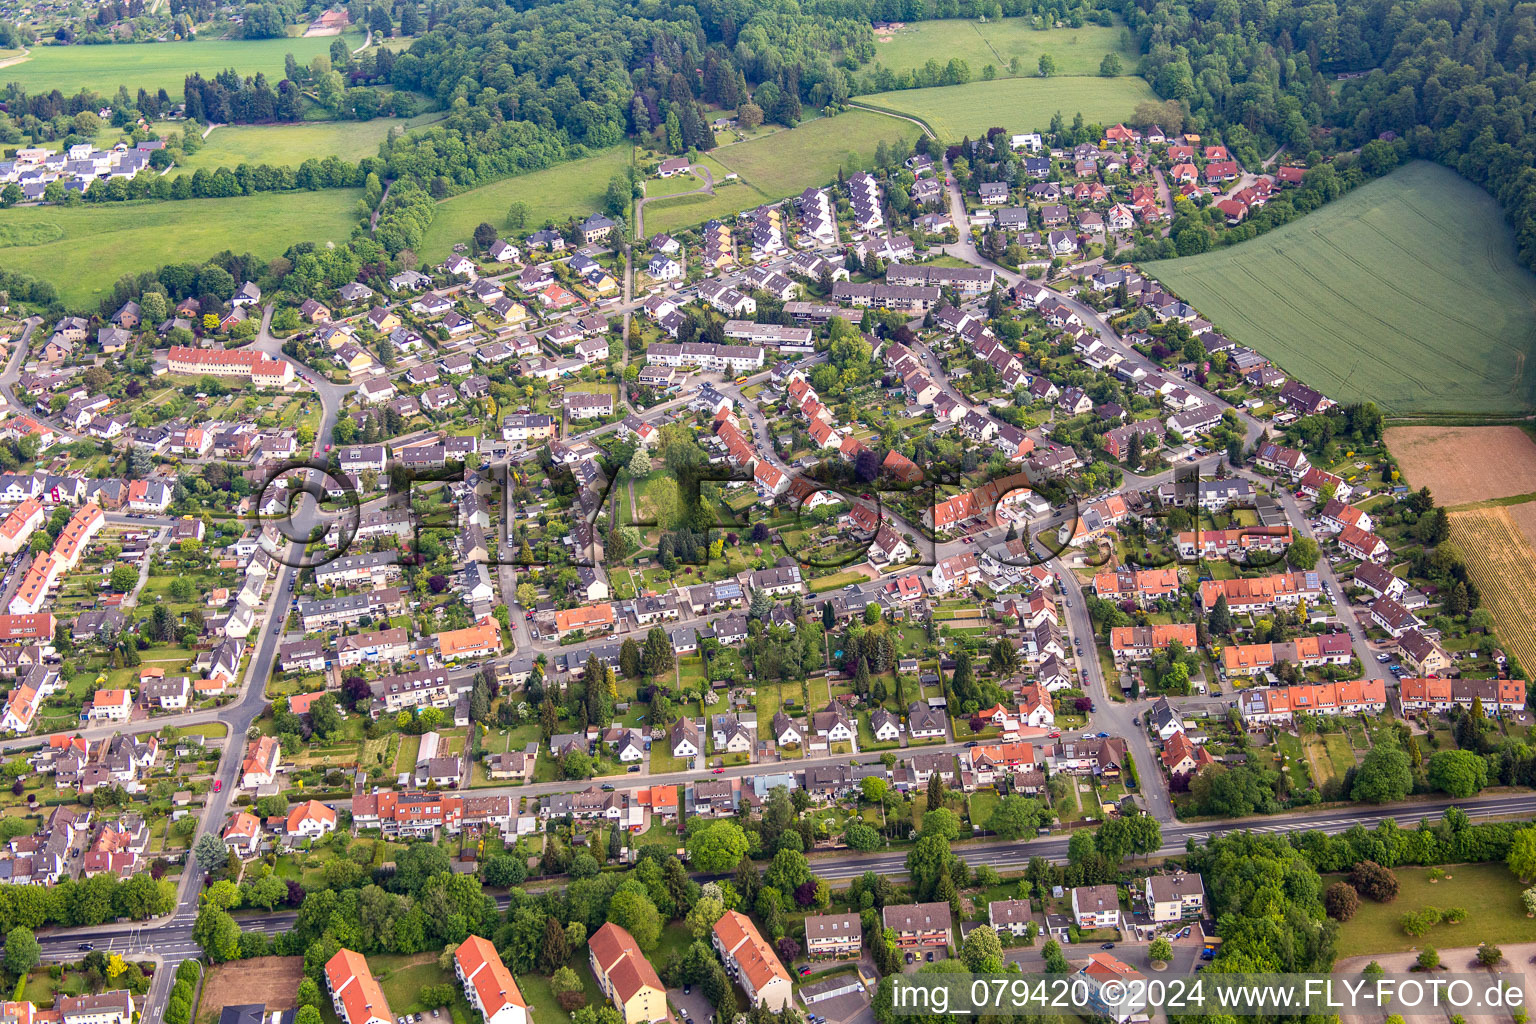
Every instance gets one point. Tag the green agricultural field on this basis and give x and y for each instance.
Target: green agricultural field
(159, 65)
(782, 164)
(1405, 292)
(288, 145)
(85, 249)
(1077, 51)
(1017, 104)
(573, 189)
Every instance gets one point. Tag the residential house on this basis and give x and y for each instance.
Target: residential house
(833, 935)
(1096, 906)
(1174, 897)
(919, 924)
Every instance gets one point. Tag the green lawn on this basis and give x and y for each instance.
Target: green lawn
(782, 164)
(673, 185)
(980, 807)
(403, 977)
(836, 580)
(786, 163)
(1417, 270)
(687, 211)
(1017, 104)
(542, 1008)
(1489, 894)
(1077, 51)
(1340, 753)
(573, 189)
(155, 66)
(85, 249)
(288, 145)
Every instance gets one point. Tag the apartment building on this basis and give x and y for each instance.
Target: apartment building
(751, 962)
(625, 976)
(355, 995)
(488, 985)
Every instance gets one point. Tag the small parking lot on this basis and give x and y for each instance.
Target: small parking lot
(692, 1006)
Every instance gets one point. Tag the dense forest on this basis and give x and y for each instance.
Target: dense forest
(1453, 79)
(532, 84)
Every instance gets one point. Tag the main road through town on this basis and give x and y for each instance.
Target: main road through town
(172, 940)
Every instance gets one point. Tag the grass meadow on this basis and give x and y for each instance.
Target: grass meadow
(1017, 104)
(1077, 51)
(1405, 292)
(573, 189)
(288, 145)
(159, 65)
(85, 249)
(1489, 893)
(782, 164)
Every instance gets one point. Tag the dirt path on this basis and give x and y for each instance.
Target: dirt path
(23, 55)
(373, 221)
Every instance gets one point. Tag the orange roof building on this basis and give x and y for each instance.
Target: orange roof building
(18, 526)
(33, 590)
(1434, 694)
(1261, 593)
(27, 628)
(595, 616)
(310, 818)
(660, 799)
(488, 985)
(20, 708)
(260, 765)
(901, 467)
(357, 998)
(483, 638)
(235, 363)
(1280, 703)
(758, 970)
(625, 976)
(77, 533)
(1137, 643)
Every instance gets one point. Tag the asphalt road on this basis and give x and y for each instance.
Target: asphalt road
(172, 939)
